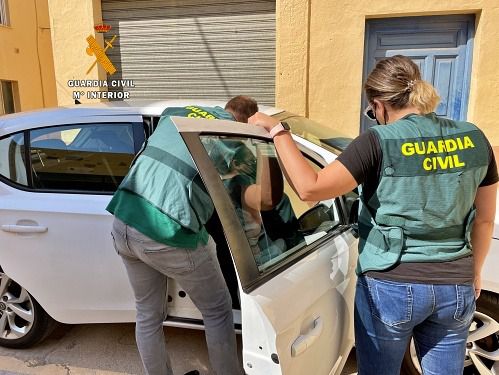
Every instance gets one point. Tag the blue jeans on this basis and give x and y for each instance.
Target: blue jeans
(149, 264)
(389, 313)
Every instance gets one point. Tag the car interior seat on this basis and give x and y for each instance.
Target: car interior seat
(108, 140)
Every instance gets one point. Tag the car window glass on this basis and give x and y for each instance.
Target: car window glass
(12, 164)
(314, 132)
(276, 222)
(92, 157)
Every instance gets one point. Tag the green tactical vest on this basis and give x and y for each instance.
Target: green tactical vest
(165, 175)
(422, 210)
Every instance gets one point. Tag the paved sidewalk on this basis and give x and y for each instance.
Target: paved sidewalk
(18, 367)
(107, 349)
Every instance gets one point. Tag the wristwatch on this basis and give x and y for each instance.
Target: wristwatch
(281, 127)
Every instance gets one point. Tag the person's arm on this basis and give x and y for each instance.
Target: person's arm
(481, 234)
(268, 189)
(309, 185)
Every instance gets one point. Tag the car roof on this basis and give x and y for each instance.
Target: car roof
(120, 111)
(133, 110)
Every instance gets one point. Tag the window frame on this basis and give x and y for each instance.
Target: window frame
(139, 136)
(4, 13)
(247, 269)
(13, 97)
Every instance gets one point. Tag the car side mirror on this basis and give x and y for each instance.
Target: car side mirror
(313, 218)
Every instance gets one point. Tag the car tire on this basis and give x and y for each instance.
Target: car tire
(23, 322)
(487, 315)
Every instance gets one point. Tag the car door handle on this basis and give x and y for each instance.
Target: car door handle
(303, 342)
(13, 228)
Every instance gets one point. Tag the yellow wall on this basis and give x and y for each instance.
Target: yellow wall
(26, 54)
(71, 23)
(320, 51)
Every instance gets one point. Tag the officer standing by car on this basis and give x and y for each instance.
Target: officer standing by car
(160, 210)
(427, 211)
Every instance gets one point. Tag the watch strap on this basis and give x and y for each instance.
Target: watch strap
(277, 129)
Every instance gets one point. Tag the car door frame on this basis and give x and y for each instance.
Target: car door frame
(249, 276)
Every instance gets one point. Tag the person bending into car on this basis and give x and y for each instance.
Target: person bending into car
(160, 210)
(261, 204)
(425, 222)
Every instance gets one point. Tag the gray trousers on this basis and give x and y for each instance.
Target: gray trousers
(148, 264)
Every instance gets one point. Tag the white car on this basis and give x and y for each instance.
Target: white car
(58, 170)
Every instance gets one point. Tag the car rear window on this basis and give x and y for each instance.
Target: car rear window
(93, 157)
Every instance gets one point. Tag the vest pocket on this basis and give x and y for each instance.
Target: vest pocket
(382, 248)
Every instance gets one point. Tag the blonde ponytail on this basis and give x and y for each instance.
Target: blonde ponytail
(423, 96)
(397, 81)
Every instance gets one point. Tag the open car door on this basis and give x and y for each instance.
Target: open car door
(294, 262)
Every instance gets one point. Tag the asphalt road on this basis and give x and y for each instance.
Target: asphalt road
(107, 349)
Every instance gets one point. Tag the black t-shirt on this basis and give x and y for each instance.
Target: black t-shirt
(363, 159)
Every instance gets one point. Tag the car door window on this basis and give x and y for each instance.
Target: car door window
(12, 165)
(276, 222)
(92, 157)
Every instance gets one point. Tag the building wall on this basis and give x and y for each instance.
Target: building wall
(26, 54)
(320, 52)
(71, 23)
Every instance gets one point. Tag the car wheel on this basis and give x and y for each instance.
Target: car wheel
(482, 350)
(23, 322)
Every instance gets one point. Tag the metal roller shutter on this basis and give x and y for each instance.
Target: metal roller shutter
(194, 48)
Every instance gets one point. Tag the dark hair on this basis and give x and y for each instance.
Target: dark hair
(397, 81)
(242, 107)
